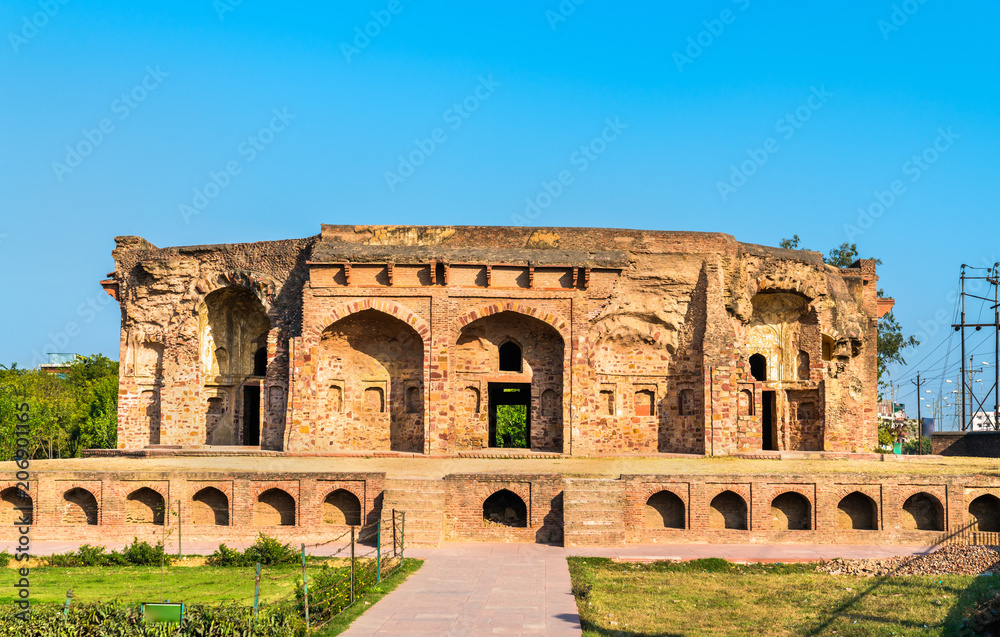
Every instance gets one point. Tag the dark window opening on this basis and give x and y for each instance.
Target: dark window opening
(260, 362)
(758, 367)
(414, 400)
(767, 422)
(510, 357)
(251, 416)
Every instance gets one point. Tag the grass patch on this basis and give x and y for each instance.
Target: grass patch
(340, 623)
(715, 597)
(193, 584)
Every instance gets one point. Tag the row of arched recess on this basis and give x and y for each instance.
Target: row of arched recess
(209, 506)
(792, 511)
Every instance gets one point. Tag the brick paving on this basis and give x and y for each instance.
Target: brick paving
(479, 589)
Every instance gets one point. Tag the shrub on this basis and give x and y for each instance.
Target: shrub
(910, 447)
(5, 558)
(269, 551)
(142, 554)
(266, 550)
(125, 620)
(135, 554)
(225, 556)
(91, 555)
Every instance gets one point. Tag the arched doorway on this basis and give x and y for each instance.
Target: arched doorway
(519, 359)
(232, 330)
(506, 508)
(371, 365)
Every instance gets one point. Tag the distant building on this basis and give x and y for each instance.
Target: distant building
(984, 421)
(889, 411)
(58, 362)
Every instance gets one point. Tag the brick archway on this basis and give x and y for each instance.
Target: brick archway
(520, 308)
(385, 306)
(260, 285)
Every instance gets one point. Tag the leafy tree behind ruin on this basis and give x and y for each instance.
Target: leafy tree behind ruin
(67, 413)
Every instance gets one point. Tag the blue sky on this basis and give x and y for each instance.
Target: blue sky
(116, 115)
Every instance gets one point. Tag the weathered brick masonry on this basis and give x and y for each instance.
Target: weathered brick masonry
(99, 506)
(385, 338)
(408, 341)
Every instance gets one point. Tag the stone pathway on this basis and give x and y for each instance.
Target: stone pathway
(479, 589)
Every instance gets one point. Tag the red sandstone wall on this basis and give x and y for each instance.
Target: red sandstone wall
(900, 505)
(633, 341)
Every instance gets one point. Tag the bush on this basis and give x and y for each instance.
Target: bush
(5, 558)
(885, 435)
(910, 447)
(225, 556)
(266, 550)
(142, 554)
(269, 551)
(135, 554)
(124, 620)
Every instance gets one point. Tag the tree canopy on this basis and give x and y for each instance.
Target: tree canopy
(68, 412)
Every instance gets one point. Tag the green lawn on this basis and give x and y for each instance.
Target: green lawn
(189, 584)
(195, 584)
(713, 597)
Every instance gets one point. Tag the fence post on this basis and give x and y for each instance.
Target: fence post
(69, 596)
(305, 585)
(352, 564)
(402, 535)
(394, 554)
(378, 553)
(256, 591)
(178, 529)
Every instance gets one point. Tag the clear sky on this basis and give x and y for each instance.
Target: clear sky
(201, 122)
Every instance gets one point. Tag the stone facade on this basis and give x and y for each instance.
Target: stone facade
(393, 339)
(99, 506)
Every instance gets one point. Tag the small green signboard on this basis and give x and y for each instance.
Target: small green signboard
(162, 612)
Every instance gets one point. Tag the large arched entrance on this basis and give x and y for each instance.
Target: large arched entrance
(232, 330)
(370, 383)
(517, 362)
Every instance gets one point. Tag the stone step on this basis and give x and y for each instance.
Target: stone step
(423, 500)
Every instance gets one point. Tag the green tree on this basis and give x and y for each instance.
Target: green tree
(891, 341)
(512, 426)
(67, 413)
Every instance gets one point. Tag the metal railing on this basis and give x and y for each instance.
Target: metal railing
(373, 552)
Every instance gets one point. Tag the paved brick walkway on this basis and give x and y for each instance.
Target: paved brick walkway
(479, 589)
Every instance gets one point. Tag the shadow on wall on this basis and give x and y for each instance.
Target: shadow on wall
(551, 531)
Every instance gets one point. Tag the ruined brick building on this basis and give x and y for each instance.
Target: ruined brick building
(409, 339)
(300, 387)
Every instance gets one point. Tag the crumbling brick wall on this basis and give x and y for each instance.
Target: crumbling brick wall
(386, 338)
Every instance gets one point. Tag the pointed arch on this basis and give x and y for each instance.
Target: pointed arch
(519, 307)
(385, 306)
